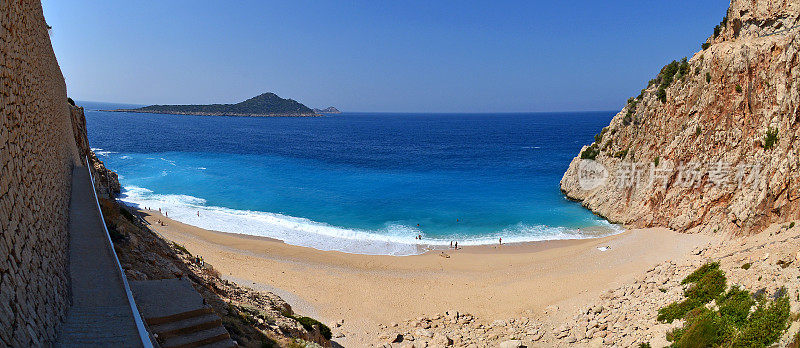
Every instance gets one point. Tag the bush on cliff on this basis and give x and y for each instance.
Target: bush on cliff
(732, 322)
(309, 323)
(591, 152)
(770, 138)
(662, 94)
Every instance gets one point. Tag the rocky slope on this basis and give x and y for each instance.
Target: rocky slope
(711, 142)
(253, 318)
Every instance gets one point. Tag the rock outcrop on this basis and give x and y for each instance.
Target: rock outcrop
(711, 143)
(106, 181)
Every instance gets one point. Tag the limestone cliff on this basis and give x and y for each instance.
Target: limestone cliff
(711, 142)
(106, 181)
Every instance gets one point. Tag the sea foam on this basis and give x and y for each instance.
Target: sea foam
(393, 239)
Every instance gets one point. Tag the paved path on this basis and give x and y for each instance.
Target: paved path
(100, 314)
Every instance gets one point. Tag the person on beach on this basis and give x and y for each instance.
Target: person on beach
(159, 210)
(456, 245)
(501, 240)
(451, 244)
(198, 213)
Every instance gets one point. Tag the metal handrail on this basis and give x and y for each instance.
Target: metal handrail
(137, 317)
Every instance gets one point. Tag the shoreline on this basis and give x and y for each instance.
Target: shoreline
(489, 281)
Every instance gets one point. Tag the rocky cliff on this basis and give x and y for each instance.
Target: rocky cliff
(711, 143)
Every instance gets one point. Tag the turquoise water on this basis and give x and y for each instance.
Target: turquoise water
(356, 182)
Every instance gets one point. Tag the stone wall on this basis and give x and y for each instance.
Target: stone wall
(37, 152)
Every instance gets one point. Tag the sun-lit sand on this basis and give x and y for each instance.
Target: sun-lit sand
(491, 282)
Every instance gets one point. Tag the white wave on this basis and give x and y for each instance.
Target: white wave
(100, 152)
(393, 239)
(125, 157)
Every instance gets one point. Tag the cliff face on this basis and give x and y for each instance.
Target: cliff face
(711, 143)
(37, 152)
(106, 181)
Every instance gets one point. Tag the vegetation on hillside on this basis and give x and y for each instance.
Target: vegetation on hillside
(714, 317)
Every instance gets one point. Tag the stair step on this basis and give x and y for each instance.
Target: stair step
(179, 316)
(186, 326)
(197, 339)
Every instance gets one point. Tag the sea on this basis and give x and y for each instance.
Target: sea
(366, 183)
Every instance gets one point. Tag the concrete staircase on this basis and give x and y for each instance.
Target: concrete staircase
(176, 315)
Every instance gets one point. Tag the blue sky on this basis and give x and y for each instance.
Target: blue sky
(394, 56)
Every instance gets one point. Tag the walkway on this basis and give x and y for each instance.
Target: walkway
(100, 314)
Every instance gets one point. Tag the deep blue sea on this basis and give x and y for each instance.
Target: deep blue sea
(356, 182)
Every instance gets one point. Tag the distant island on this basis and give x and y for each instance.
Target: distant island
(328, 110)
(264, 105)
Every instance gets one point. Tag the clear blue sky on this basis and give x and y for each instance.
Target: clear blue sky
(403, 56)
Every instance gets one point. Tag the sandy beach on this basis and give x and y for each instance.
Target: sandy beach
(544, 280)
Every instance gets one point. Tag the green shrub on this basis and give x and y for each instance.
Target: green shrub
(667, 73)
(675, 310)
(700, 272)
(738, 88)
(683, 68)
(591, 152)
(181, 248)
(765, 325)
(698, 130)
(656, 160)
(733, 324)
(308, 324)
(662, 94)
(645, 345)
(621, 154)
(791, 224)
(734, 306)
(770, 138)
(707, 330)
(746, 266)
(707, 288)
(708, 77)
(705, 46)
(598, 138)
